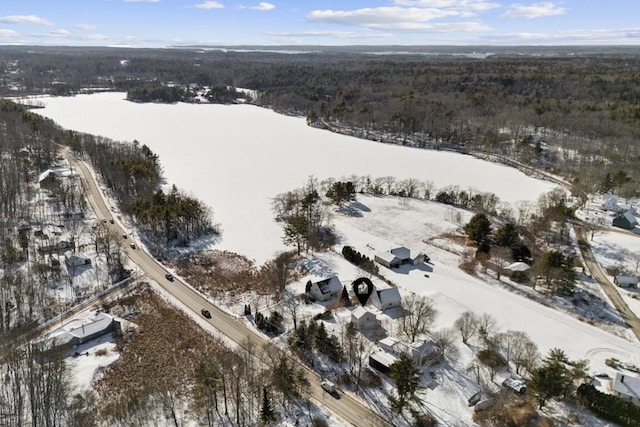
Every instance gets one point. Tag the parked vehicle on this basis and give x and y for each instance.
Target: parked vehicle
(169, 277)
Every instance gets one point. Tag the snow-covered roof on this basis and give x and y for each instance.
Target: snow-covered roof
(329, 285)
(629, 216)
(389, 295)
(627, 385)
(518, 266)
(626, 280)
(386, 256)
(388, 342)
(387, 359)
(401, 252)
(359, 312)
(101, 322)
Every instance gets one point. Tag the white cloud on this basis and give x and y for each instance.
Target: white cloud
(263, 6)
(24, 19)
(372, 17)
(476, 5)
(209, 5)
(60, 33)
(536, 10)
(413, 19)
(85, 26)
(7, 34)
(141, 1)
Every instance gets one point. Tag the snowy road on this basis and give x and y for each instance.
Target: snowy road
(347, 407)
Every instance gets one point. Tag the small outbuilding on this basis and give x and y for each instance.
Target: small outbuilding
(625, 281)
(386, 298)
(325, 289)
(626, 221)
(381, 361)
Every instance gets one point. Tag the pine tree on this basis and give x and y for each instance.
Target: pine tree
(407, 378)
(267, 413)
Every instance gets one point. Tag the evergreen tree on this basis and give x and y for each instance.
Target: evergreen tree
(267, 413)
(507, 235)
(407, 378)
(478, 229)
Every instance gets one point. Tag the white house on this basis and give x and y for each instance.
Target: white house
(627, 387)
(364, 319)
(611, 203)
(386, 298)
(397, 257)
(422, 352)
(624, 281)
(325, 289)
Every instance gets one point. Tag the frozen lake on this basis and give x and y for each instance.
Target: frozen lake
(236, 158)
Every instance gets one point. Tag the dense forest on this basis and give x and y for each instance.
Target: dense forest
(573, 111)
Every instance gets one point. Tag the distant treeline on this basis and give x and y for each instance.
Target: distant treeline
(576, 115)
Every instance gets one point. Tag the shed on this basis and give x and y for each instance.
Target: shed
(364, 319)
(325, 289)
(387, 259)
(625, 221)
(625, 281)
(386, 298)
(611, 203)
(627, 387)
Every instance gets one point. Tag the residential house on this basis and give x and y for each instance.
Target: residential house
(364, 319)
(626, 281)
(397, 257)
(386, 298)
(627, 387)
(76, 260)
(325, 289)
(625, 221)
(611, 203)
(517, 266)
(423, 352)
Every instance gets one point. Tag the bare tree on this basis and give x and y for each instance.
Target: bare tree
(419, 314)
(486, 327)
(444, 340)
(467, 325)
(500, 256)
(518, 348)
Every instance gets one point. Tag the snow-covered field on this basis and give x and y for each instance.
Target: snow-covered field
(236, 158)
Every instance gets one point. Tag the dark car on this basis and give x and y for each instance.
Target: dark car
(133, 245)
(169, 277)
(206, 313)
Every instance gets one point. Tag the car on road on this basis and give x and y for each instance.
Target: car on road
(133, 245)
(206, 313)
(124, 235)
(111, 220)
(328, 386)
(169, 277)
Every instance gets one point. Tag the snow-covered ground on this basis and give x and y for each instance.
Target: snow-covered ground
(236, 158)
(384, 221)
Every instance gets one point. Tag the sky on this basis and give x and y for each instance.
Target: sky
(162, 23)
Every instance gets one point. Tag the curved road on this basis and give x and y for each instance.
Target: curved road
(609, 288)
(348, 408)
